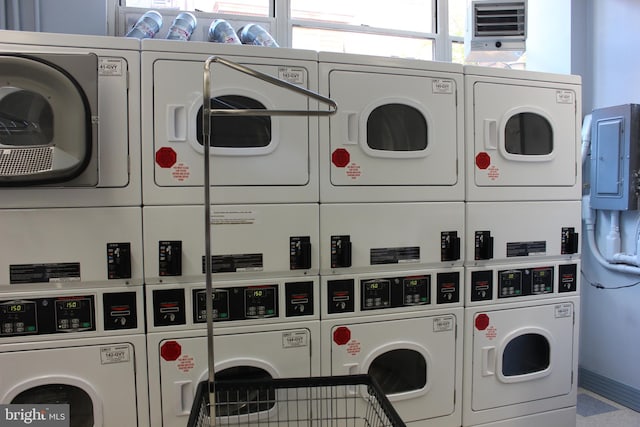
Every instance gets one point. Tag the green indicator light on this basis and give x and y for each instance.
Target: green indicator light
(269, 311)
(31, 328)
(86, 324)
(224, 315)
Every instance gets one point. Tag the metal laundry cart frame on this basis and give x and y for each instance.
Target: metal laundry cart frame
(326, 395)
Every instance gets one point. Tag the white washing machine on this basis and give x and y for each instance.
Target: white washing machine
(64, 247)
(264, 328)
(398, 134)
(83, 348)
(70, 113)
(499, 232)
(366, 237)
(522, 133)
(521, 344)
(404, 329)
(266, 159)
(246, 241)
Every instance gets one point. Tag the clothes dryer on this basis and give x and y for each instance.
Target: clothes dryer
(265, 328)
(70, 247)
(70, 113)
(83, 347)
(398, 132)
(522, 135)
(265, 159)
(521, 344)
(402, 328)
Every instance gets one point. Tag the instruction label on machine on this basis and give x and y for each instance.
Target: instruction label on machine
(516, 249)
(110, 66)
(443, 324)
(44, 273)
(380, 256)
(234, 263)
(296, 76)
(295, 339)
(233, 218)
(115, 354)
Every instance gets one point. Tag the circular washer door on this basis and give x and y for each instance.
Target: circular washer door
(47, 109)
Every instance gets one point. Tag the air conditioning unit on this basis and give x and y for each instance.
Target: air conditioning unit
(496, 30)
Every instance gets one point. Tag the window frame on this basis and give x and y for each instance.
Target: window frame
(282, 25)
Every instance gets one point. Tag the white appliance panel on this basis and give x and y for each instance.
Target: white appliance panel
(415, 356)
(116, 391)
(492, 388)
(523, 230)
(415, 160)
(117, 122)
(269, 349)
(280, 169)
(521, 363)
(522, 135)
(246, 240)
(56, 246)
(407, 235)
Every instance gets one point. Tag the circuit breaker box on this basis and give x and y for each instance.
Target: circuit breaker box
(615, 140)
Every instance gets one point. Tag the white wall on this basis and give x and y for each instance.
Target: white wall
(55, 16)
(610, 344)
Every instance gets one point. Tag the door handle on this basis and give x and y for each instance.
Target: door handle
(490, 134)
(350, 127)
(184, 398)
(352, 369)
(176, 122)
(488, 361)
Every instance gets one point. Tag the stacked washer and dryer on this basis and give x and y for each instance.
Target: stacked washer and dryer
(71, 295)
(522, 258)
(264, 223)
(391, 226)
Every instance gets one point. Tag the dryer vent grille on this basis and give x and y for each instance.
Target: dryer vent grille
(25, 161)
(499, 19)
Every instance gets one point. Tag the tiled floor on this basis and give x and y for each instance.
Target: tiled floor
(596, 411)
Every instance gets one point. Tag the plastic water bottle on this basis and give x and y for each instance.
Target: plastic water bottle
(147, 26)
(255, 34)
(182, 27)
(220, 31)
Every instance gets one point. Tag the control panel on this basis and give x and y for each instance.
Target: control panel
(253, 302)
(392, 292)
(40, 316)
(522, 282)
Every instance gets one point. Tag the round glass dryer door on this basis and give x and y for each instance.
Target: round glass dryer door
(399, 371)
(48, 111)
(80, 403)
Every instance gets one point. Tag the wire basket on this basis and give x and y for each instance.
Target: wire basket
(339, 401)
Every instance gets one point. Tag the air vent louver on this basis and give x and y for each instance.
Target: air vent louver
(499, 19)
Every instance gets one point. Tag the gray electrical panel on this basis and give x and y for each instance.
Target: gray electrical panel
(615, 151)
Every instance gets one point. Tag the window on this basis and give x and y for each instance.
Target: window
(403, 28)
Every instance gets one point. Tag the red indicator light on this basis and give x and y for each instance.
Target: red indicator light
(482, 322)
(341, 335)
(483, 160)
(340, 157)
(170, 351)
(166, 157)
